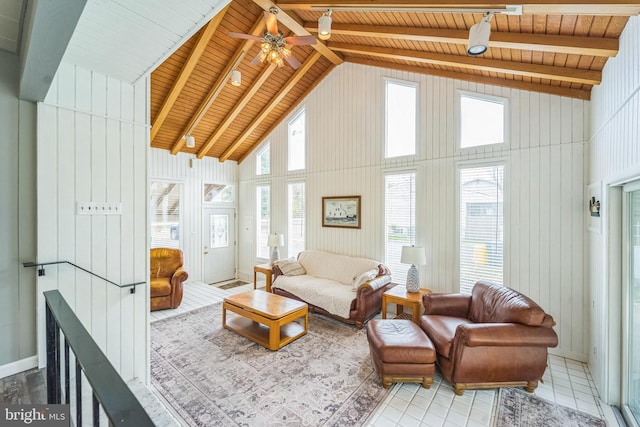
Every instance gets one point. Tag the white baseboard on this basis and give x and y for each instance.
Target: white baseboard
(18, 366)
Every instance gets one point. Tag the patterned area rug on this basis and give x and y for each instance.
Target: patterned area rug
(231, 285)
(519, 408)
(214, 377)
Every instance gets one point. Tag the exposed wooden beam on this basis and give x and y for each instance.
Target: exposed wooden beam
(300, 72)
(541, 7)
(292, 22)
(301, 98)
(257, 84)
(593, 46)
(516, 84)
(572, 75)
(186, 70)
(215, 90)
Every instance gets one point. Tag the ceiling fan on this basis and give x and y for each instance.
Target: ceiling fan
(275, 47)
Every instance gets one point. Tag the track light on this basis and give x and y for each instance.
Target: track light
(324, 25)
(236, 78)
(191, 141)
(479, 36)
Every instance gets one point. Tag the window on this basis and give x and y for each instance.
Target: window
(297, 142)
(263, 214)
(165, 214)
(296, 219)
(400, 113)
(481, 225)
(217, 193)
(481, 120)
(399, 219)
(263, 160)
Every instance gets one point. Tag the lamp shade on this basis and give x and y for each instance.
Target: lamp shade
(190, 141)
(236, 78)
(414, 255)
(324, 27)
(275, 240)
(479, 38)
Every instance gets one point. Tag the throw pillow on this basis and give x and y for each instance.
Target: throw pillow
(291, 267)
(364, 277)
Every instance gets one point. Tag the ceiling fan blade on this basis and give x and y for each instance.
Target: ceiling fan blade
(292, 61)
(256, 60)
(243, 36)
(272, 22)
(300, 40)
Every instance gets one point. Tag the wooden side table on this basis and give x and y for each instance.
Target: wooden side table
(266, 270)
(398, 295)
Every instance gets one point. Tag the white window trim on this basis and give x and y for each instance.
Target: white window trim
(458, 120)
(506, 261)
(408, 83)
(297, 115)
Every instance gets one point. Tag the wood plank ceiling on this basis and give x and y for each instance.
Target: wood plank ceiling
(552, 47)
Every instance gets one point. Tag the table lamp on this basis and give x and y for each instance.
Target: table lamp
(413, 255)
(275, 240)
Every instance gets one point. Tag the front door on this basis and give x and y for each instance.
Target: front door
(219, 245)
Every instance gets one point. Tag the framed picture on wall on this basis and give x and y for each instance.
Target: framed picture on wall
(343, 211)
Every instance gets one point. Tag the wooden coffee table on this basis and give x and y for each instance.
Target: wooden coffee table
(265, 318)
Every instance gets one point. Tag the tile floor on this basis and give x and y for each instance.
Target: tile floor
(566, 382)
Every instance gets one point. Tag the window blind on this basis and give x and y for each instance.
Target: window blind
(400, 216)
(263, 215)
(296, 219)
(481, 225)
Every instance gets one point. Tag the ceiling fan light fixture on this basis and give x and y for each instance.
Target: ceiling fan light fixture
(236, 78)
(324, 25)
(479, 36)
(190, 141)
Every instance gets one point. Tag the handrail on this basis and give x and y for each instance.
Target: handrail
(109, 390)
(41, 272)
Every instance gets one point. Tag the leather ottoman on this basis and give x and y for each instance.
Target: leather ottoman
(401, 352)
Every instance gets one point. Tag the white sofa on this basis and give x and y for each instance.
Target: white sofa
(344, 287)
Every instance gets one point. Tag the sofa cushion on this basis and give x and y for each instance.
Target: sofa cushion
(327, 294)
(290, 267)
(441, 330)
(492, 303)
(340, 268)
(160, 287)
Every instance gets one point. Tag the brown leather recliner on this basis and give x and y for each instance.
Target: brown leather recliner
(495, 337)
(167, 276)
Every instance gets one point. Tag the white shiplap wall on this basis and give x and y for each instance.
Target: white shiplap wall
(93, 137)
(192, 173)
(545, 169)
(615, 158)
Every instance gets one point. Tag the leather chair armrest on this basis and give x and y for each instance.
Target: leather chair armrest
(375, 283)
(456, 305)
(504, 335)
(275, 272)
(179, 276)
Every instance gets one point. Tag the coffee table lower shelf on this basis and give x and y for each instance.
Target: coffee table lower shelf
(260, 334)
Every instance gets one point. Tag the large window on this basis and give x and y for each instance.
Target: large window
(399, 219)
(165, 214)
(481, 225)
(263, 160)
(296, 218)
(482, 119)
(263, 215)
(400, 118)
(296, 142)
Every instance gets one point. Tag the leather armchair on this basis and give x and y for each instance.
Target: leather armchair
(495, 337)
(167, 276)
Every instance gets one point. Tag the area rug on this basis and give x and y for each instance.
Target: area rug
(519, 408)
(213, 377)
(231, 284)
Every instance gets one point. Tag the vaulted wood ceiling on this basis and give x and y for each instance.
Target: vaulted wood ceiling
(556, 47)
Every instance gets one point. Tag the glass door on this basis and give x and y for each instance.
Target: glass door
(631, 370)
